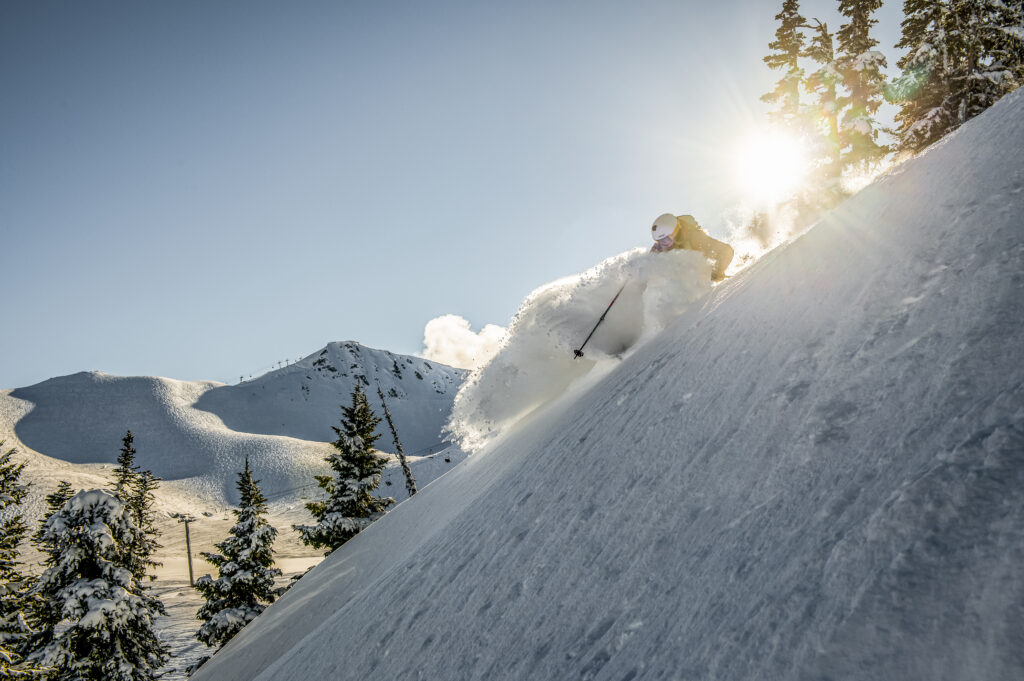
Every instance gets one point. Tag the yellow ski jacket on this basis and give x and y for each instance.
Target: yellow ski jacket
(689, 235)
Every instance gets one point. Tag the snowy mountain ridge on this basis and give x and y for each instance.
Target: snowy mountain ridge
(200, 432)
(301, 400)
(815, 472)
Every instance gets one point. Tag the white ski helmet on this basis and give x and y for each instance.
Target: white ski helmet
(663, 226)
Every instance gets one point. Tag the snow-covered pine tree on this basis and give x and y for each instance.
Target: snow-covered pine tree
(787, 48)
(135, 487)
(922, 89)
(43, 617)
(350, 506)
(245, 568)
(55, 501)
(410, 481)
(140, 503)
(963, 55)
(1013, 32)
(824, 112)
(986, 38)
(106, 618)
(13, 583)
(861, 67)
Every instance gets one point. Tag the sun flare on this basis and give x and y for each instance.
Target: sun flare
(770, 167)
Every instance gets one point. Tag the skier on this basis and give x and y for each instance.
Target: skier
(671, 232)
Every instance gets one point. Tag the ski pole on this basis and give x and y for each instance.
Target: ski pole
(579, 353)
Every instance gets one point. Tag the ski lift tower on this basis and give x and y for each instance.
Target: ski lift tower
(187, 518)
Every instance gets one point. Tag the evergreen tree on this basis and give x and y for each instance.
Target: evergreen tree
(13, 584)
(410, 481)
(135, 487)
(126, 471)
(787, 48)
(43, 616)
(963, 55)
(245, 566)
(140, 503)
(1013, 34)
(987, 39)
(106, 618)
(861, 69)
(55, 501)
(824, 113)
(923, 87)
(350, 506)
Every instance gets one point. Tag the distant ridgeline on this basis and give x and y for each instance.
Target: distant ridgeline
(302, 400)
(203, 431)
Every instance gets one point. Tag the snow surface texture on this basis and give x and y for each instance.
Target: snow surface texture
(536, 363)
(201, 432)
(817, 472)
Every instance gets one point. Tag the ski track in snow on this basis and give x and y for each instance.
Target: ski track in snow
(815, 472)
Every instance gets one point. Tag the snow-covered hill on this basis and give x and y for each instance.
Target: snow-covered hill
(816, 472)
(301, 400)
(199, 433)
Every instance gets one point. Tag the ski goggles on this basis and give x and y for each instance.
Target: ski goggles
(664, 243)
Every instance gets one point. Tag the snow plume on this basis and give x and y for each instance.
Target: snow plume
(753, 233)
(449, 340)
(535, 364)
(856, 180)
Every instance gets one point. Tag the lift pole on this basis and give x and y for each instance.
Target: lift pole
(186, 518)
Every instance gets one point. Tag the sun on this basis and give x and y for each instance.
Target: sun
(770, 167)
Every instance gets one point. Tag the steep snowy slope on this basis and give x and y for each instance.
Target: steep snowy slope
(202, 432)
(815, 473)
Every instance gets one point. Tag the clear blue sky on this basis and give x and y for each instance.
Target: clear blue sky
(196, 189)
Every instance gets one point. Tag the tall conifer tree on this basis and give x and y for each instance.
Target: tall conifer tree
(14, 585)
(962, 56)
(43, 617)
(824, 113)
(861, 68)
(245, 569)
(140, 503)
(107, 619)
(923, 88)
(787, 48)
(410, 481)
(126, 471)
(987, 39)
(357, 468)
(135, 487)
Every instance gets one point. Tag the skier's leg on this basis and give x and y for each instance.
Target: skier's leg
(723, 256)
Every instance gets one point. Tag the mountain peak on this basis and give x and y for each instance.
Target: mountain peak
(302, 399)
(202, 431)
